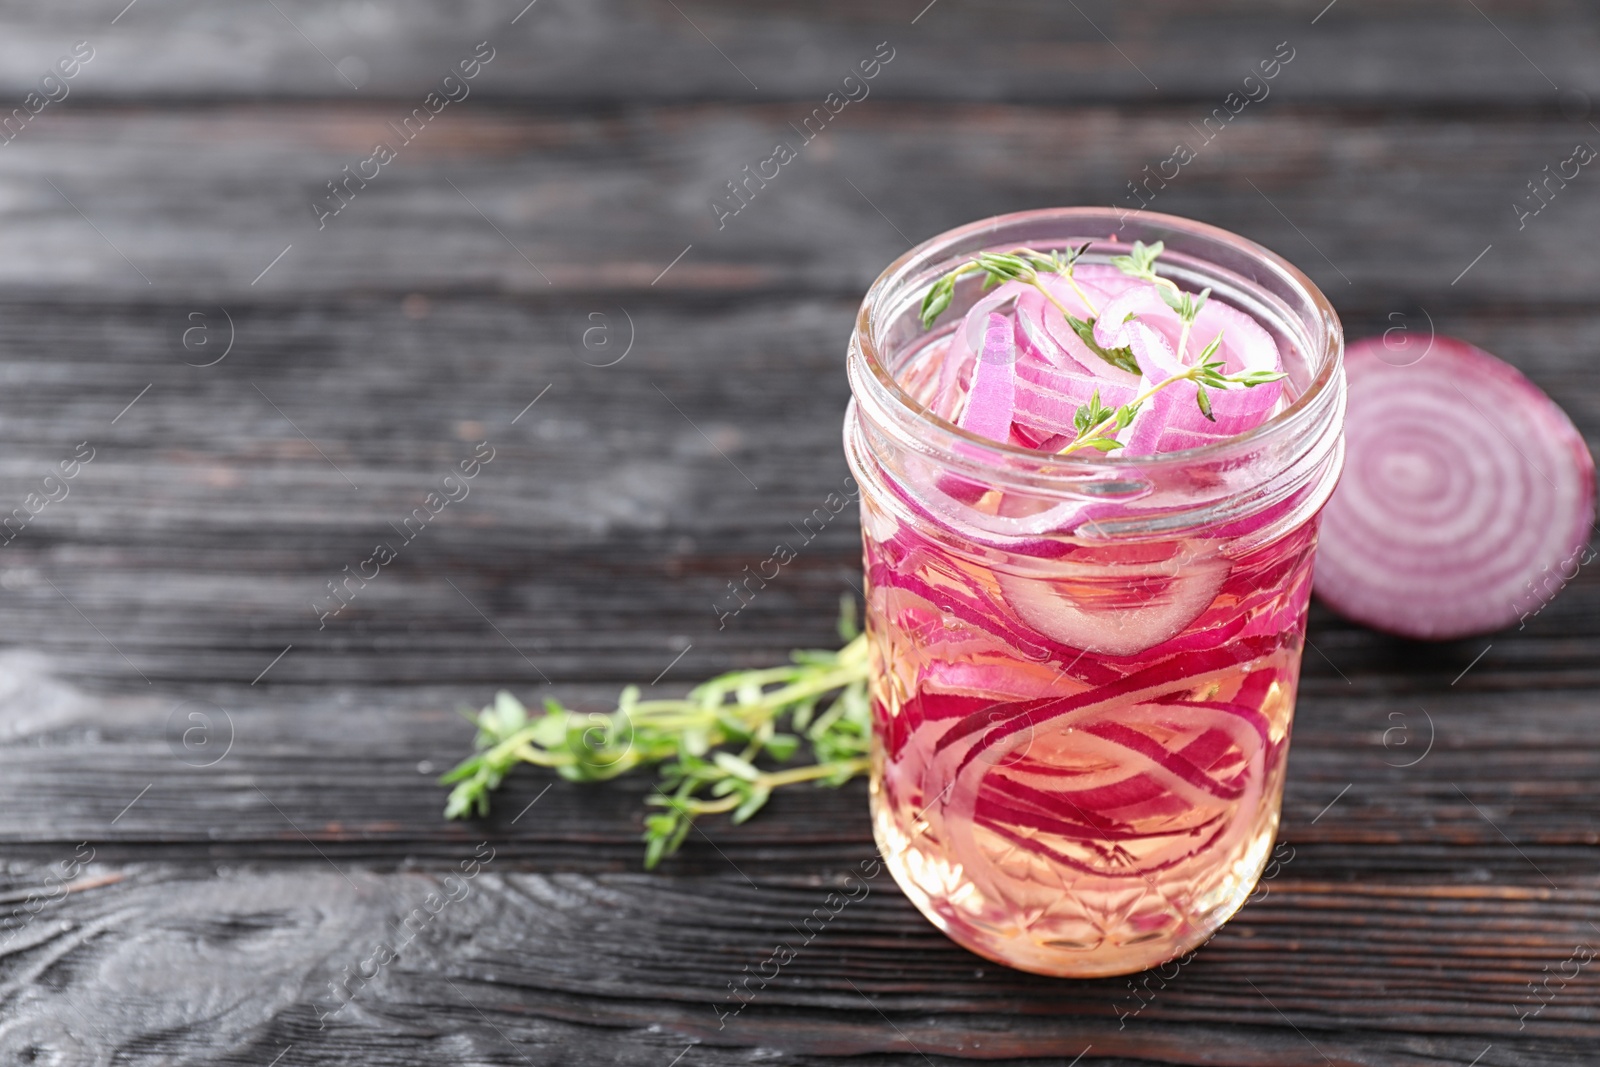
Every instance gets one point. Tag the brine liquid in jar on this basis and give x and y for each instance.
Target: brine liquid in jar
(1084, 659)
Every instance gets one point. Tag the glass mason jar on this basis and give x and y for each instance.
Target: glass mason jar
(1084, 667)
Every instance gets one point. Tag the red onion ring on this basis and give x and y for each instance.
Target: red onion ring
(1126, 609)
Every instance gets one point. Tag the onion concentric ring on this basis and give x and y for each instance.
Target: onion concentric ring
(1467, 496)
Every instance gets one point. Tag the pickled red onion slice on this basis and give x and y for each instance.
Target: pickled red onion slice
(1191, 669)
(1052, 372)
(1140, 771)
(1465, 488)
(1043, 324)
(975, 325)
(991, 392)
(1056, 372)
(1126, 610)
(992, 398)
(964, 346)
(1172, 420)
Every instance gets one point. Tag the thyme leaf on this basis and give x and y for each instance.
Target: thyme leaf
(1102, 425)
(1024, 265)
(714, 748)
(1096, 425)
(1121, 358)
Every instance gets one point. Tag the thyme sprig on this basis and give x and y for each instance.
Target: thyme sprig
(707, 745)
(1097, 425)
(1188, 306)
(1024, 265)
(1140, 263)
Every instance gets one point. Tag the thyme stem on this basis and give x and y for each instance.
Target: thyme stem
(706, 742)
(1085, 439)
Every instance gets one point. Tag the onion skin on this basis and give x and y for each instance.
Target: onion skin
(1464, 488)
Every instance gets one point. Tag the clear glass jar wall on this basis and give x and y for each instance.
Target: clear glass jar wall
(1084, 670)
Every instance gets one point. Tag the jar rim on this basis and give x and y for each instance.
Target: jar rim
(1284, 423)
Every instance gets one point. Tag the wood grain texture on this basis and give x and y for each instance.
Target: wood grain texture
(620, 495)
(254, 784)
(1422, 52)
(1394, 785)
(595, 546)
(1385, 211)
(584, 969)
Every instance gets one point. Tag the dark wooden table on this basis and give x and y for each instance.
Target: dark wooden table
(214, 801)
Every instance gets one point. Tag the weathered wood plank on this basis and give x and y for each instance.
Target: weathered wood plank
(599, 497)
(1426, 785)
(634, 969)
(1424, 893)
(1385, 211)
(599, 541)
(621, 51)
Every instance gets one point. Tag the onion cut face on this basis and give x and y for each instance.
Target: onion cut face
(1467, 498)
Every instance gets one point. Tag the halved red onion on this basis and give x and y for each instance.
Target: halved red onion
(1464, 487)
